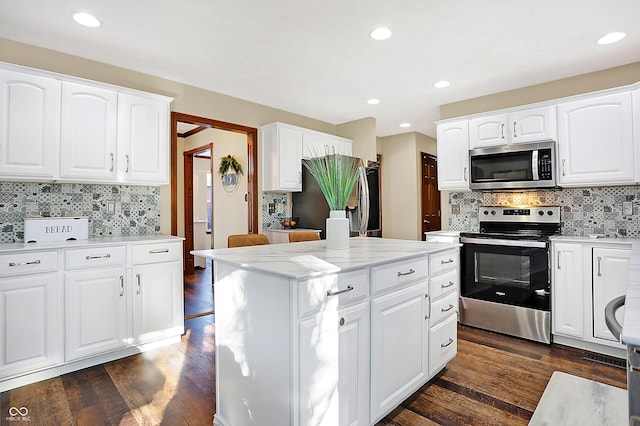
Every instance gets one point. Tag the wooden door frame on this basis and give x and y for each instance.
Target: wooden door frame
(252, 173)
(189, 266)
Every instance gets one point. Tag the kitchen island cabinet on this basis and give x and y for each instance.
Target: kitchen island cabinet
(333, 337)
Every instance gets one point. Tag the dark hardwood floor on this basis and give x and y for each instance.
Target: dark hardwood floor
(494, 380)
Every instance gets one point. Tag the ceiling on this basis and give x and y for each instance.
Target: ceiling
(315, 58)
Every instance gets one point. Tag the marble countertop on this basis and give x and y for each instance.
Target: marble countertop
(312, 258)
(291, 230)
(590, 240)
(98, 241)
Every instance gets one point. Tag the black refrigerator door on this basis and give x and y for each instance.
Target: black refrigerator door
(310, 205)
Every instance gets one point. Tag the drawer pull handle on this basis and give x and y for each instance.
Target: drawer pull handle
(444, 345)
(447, 309)
(344, 290)
(342, 321)
(158, 251)
(411, 271)
(138, 279)
(121, 286)
(99, 256)
(447, 285)
(444, 262)
(32, 262)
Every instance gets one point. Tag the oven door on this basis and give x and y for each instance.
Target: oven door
(514, 272)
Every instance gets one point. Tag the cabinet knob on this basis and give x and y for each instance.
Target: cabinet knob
(342, 321)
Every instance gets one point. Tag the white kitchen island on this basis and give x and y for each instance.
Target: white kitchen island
(311, 336)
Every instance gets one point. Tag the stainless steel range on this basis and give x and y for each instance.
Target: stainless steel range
(505, 271)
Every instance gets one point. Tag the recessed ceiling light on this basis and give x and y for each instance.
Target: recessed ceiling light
(405, 125)
(380, 33)
(611, 38)
(440, 84)
(86, 19)
(373, 101)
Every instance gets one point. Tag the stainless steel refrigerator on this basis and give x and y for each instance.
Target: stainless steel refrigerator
(312, 209)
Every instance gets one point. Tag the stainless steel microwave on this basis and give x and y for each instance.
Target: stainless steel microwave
(510, 167)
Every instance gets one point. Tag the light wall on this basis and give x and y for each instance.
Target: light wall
(363, 134)
(585, 83)
(401, 165)
(230, 215)
(187, 99)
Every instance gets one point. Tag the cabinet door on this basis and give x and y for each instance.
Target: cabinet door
(157, 301)
(399, 347)
(610, 279)
(488, 131)
(29, 323)
(96, 312)
(595, 141)
(143, 140)
(453, 155)
(532, 125)
(334, 367)
(88, 144)
(29, 126)
(316, 144)
(290, 159)
(568, 290)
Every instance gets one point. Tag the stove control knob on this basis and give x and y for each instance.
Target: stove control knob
(493, 212)
(550, 212)
(540, 212)
(486, 212)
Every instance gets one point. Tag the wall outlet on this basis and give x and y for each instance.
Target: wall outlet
(455, 208)
(627, 208)
(111, 207)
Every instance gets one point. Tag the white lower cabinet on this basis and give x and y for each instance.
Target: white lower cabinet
(399, 346)
(158, 301)
(334, 374)
(585, 278)
(29, 318)
(96, 312)
(70, 308)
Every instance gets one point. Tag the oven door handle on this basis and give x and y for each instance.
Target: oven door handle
(498, 242)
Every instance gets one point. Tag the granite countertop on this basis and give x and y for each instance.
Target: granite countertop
(631, 324)
(51, 245)
(312, 258)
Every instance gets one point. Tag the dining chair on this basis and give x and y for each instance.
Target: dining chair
(298, 236)
(242, 240)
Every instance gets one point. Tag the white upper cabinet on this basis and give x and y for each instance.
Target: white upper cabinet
(281, 157)
(529, 125)
(318, 144)
(453, 155)
(60, 128)
(595, 140)
(143, 139)
(29, 126)
(88, 133)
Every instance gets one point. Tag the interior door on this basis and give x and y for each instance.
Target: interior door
(430, 195)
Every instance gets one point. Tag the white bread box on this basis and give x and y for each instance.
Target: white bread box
(41, 229)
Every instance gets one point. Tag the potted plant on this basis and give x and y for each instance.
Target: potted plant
(337, 176)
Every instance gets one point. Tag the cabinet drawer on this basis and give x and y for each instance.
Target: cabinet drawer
(95, 256)
(443, 344)
(444, 284)
(160, 252)
(28, 263)
(331, 291)
(442, 308)
(441, 262)
(394, 274)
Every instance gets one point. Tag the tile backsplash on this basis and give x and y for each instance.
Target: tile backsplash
(274, 208)
(583, 210)
(137, 208)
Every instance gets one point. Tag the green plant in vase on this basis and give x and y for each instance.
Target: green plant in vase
(336, 176)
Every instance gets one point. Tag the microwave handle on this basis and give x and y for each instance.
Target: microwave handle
(534, 164)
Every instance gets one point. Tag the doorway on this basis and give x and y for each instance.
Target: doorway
(251, 195)
(430, 194)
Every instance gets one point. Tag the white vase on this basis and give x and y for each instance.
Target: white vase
(337, 230)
